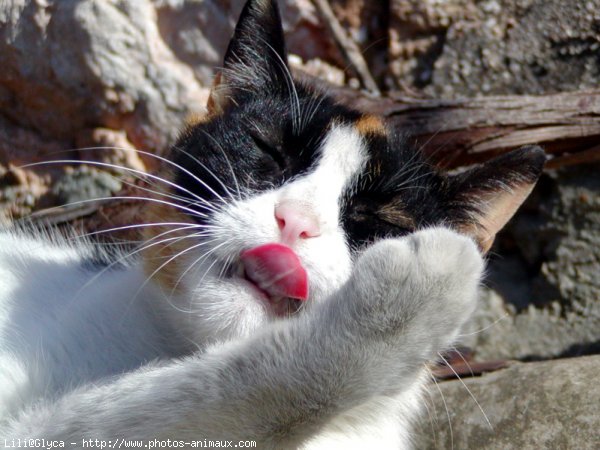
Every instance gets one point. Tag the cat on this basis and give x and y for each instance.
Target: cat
(301, 265)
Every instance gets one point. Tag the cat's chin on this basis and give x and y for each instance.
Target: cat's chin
(219, 304)
(277, 306)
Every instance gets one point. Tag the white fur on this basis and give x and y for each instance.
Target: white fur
(251, 222)
(77, 349)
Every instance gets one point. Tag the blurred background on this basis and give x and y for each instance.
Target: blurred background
(469, 79)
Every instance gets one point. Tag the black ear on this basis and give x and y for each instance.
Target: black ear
(489, 195)
(256, 58)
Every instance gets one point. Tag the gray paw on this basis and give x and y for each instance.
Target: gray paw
(426, 282)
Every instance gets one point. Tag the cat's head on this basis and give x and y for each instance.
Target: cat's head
(278, 181)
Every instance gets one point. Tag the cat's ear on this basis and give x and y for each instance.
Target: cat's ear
(256, 58)
(490, 194)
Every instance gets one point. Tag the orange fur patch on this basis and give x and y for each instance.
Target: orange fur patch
(396, 215)
(160, 260)
(194, 119)
(371, 125)
(218, 96)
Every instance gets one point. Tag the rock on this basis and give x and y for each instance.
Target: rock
(90, 73)
(20, 190)
(469, 48)
(125, 72)
(85, 183)
(530, 406)
(546, 297)
(69, 65)
(417, 35)
(319, 69)
(112, 147)
(366, 22)
(198, 31)
(22, 187)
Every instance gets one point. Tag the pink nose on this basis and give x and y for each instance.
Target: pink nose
(295, 221)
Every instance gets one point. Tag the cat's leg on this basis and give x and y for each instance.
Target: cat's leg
(406, 300)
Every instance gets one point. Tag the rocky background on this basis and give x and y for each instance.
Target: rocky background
(95, 79)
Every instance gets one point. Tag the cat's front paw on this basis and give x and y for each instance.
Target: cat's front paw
(425, 283)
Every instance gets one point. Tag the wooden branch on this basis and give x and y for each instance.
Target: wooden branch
(585, 156)
(350, 51)
(460, 132)
(468, 369)
(63, 214)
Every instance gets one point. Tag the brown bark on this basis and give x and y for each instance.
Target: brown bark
(460, 132)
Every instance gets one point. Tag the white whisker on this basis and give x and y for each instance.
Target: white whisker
(124, 197)
(172, 258)
(220, 148)
(486, 327)
(174, 197)
(174, 164)
(183, 226)
(291, 86)
(437, 385)
(200, 259)
(469, 391)
(114, 166)
(120, 260)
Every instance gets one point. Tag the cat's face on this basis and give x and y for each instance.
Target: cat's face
(289, 186)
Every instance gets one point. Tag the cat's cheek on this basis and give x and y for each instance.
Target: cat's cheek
(220, 310)
(329, 265)
(243, 298)
(327, 280)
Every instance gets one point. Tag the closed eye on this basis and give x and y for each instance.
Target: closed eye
(399, 228)
(274, 151)
(395, 224)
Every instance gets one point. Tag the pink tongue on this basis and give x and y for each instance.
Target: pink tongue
(277, 270)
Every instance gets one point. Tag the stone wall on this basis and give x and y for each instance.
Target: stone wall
(125, 74)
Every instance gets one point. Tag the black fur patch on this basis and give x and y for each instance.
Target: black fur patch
(258, 142)
(271, 127)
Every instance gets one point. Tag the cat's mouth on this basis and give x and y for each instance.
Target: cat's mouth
(280, 306)
(276, 273)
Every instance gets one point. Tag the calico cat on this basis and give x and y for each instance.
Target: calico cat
(301, 265)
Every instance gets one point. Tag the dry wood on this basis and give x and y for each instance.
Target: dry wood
(63, 214)
(464, 369)
(459, 132)
(585, 156)
(350, 51)
(459, 363)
